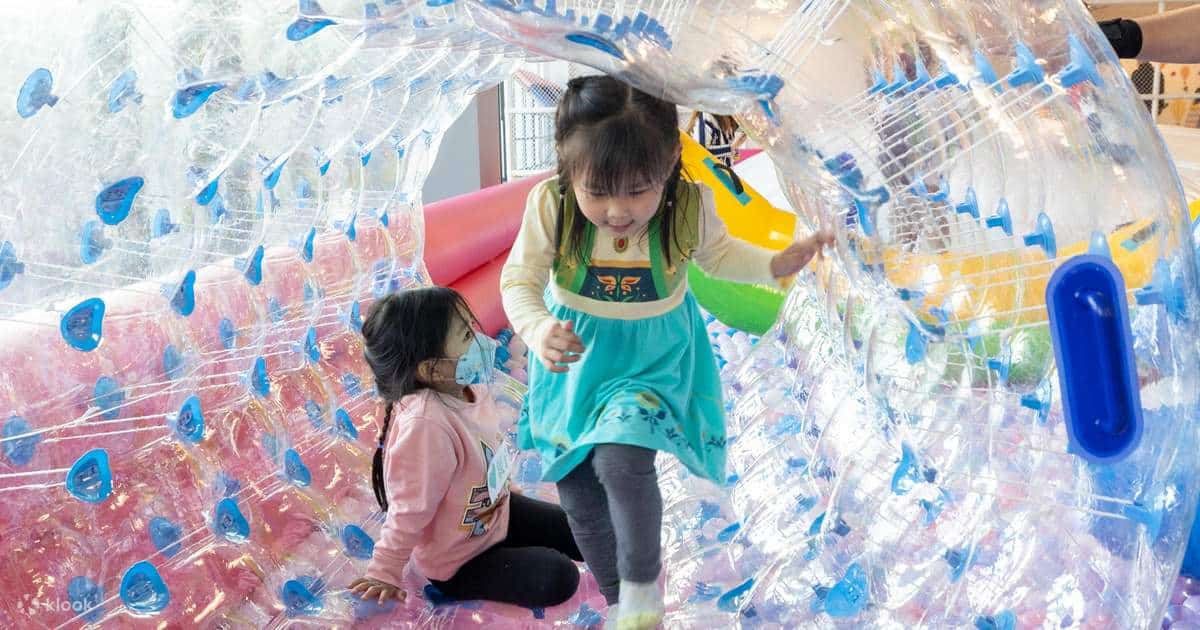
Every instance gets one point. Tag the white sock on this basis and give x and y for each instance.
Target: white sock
(641, 606)
(610, 616)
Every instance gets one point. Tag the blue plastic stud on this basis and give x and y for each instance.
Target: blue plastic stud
(906, 473)
(1043, 236)
(123, 91)
(351, 385)
(227, 332)
(864, 217)
(1163, 289)
(20, 442)
(36, 93)
(165, 535)
(188, 100)
(229, 522)
(259, 383)
(1001, 365)
(843, 167)
(90, 477)
(172, 362)
(272, 178)
(302, 596)
(914, 345)
(1002, 621)
(189, 422)
(311, 350)
(849, 596)
(354, 316)
(878, 81)
(162, 225)
(184, 298)
(108, 397)
(82, 326)
(1082, 66)
(731, 600)
(92, 242)
(985, 72)
(114, 202)
(10, 266)
(358, 543)
(1093, 348)
(196, 175)
(920, 189)
(959, 560)
(1026, 70)
(143, 591)
(306, 246)
(276, 310)
(969, 205)
(1098, 245)
(307, 22)
(1002, 219)
(315, 413)
(294, 468)
(86, 597)
(343, 425)
(1039, 403)
(252, 267)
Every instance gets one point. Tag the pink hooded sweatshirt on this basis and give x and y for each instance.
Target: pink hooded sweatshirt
(435, 467)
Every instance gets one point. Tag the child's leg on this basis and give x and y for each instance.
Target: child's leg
(586, 505)
(533, 577)
(635, 505)
(533, 523)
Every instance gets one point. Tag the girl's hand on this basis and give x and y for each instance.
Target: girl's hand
(556, 343)
(368, 588)
(798, 254)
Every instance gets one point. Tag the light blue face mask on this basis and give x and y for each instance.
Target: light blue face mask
(477, 364)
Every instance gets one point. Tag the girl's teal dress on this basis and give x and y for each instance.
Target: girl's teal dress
(649, 382)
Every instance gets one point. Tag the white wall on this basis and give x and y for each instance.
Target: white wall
(456, 170)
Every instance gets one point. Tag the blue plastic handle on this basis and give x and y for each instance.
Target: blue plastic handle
(1093, 345)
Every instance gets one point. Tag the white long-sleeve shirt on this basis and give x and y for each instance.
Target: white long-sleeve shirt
(613, 274)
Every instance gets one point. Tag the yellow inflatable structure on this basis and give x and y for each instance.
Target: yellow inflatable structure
(749, 217)
(1008, 286)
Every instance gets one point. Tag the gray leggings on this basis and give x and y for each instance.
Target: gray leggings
(614, 507)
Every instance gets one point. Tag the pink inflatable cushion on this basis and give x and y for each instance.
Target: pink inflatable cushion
(481, 288)
(466, 232)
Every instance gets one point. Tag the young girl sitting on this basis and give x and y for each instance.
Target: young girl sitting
(613, 234)
(447, 498)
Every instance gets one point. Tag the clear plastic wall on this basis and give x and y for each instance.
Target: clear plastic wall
(977, 413)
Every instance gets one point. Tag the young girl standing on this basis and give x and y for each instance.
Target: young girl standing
(612, 234)
(436, 473)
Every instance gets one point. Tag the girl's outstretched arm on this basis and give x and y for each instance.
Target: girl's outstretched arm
(725, 257)
(1171, 37)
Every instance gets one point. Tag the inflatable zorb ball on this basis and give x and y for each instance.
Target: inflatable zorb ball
(203, 199)
(981, 414)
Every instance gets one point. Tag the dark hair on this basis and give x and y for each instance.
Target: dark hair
(621, 139)
(400, 332)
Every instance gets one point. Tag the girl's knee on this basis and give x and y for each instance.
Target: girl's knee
(562, 580)
(623, 459)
